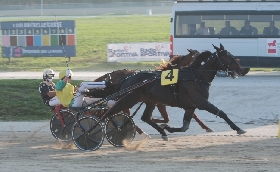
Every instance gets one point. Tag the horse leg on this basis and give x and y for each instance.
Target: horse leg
(203, 126)
(214, 110)
(186, 122)
(127, 111)
(147, 117)
(163, 112)
(139, 130)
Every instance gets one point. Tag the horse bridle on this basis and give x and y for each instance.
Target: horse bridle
(222, 64)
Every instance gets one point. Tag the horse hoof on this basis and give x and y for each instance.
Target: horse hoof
(162, 126)
(241, 131)
(165, 138)
(209, 130)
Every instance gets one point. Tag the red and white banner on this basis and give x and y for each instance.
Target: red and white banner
(271, 46)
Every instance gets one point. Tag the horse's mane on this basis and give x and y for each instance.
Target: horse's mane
(199, 59)
(167, 65)
(179, 61)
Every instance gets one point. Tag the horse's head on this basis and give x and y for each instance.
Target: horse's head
(227, 62)
(188, 59)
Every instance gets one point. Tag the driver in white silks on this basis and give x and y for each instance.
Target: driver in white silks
(71, 96)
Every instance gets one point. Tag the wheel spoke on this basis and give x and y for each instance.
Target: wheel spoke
(56, 123)
(125, 123)
(86, 143)
(109, 130)
(78, 136)
(119, 136)
(83, 126)
(94, 140)
(67, 129)
(115, 122)
(69, 122)
(128, 129)
(96, 131)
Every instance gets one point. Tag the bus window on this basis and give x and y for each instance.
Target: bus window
(187, 24)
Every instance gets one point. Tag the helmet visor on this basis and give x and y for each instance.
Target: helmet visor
(50, 76)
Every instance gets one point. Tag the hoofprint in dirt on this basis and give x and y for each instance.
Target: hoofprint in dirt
(39, 151)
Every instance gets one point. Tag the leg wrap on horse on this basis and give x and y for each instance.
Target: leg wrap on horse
(221, 114)
(186, 125)
(184, 128)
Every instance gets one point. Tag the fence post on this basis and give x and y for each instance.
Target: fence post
(149, 12)
(279, 127)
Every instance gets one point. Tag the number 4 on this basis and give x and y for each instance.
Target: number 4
(169, 75)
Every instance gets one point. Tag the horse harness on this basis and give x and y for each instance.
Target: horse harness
(193, 77)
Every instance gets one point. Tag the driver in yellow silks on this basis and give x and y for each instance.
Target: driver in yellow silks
(71, 97)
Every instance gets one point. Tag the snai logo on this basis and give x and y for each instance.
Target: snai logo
(271, 46)
(127, 48)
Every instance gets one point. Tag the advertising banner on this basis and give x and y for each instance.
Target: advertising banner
(136, 52)
(38, 38)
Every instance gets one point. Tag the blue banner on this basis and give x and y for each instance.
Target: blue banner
(51, 51)
(37, 24)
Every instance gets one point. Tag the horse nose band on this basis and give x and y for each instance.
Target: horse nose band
(226, 67)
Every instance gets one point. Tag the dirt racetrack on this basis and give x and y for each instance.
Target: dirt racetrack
(252, 102)
(31, 151)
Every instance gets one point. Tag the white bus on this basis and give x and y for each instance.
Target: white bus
(256, 46)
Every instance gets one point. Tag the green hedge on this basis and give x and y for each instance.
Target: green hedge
(21, 100)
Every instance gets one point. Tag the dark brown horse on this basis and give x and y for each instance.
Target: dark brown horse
(176, 62)
(192, 90)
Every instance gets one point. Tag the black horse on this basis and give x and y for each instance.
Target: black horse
(190, 92)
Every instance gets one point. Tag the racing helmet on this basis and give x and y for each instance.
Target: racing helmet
(48, 74)
(65, 72)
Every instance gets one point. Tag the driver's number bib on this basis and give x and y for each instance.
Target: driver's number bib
(169, 77)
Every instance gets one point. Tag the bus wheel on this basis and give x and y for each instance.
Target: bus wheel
(245, 71)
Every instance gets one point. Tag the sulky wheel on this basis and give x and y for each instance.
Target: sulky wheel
(59, 130)
(88, 134)
(120, 127)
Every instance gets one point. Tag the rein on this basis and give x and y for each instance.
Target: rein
(213, 55)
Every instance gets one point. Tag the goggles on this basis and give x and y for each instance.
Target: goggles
(50, 76)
